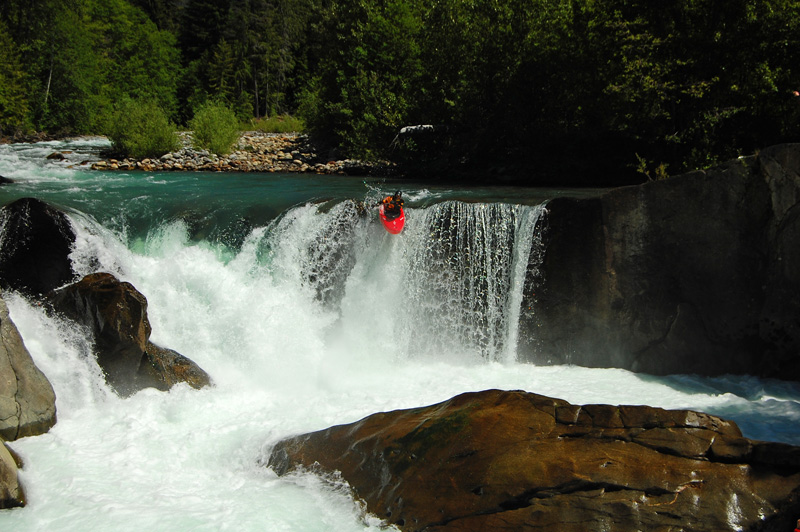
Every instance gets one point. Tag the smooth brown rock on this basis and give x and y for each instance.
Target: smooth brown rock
(11, 493)
(164, 368)
(116, 313)
(27, 400)
(499, 460)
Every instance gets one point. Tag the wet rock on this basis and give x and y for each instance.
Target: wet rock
(35, 248)
(699, 273)
(116, 314)
(27, 400)
(164, 368)
(11, 492)
(499, 460)
(5, 180)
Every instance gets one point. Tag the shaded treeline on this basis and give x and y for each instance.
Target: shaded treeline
(589, 91)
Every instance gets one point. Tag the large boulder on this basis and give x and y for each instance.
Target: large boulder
(699, 273)
(116, 314)
(27, 400)
(499, 460)
(36, 240)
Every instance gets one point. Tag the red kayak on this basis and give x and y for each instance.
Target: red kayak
(395, 225)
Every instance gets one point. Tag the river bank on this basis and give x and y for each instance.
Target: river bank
(254, 152)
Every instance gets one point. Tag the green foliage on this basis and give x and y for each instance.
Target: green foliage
(659, 173)
(278, 124)
(14, 105)
(565, 86)
(569, 87)
(215, 128)
(245, 53)
(141, 129)
(367, 62)
(82, 56)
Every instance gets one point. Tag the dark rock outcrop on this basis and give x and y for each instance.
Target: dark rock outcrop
(116, 314)
(498, 460)
(36, 242)
(27, 400)
(698, 273)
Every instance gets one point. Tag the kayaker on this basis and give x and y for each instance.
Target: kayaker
(392, 205)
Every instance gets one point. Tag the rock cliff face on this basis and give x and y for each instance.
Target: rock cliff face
(498, 460)
(699, 273)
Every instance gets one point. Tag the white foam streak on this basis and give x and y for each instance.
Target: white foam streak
(30, 163)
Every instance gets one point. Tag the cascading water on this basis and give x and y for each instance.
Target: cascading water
(306, 314)
(452, 284)
(463, 273)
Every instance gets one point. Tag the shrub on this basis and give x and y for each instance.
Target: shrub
(279, 124)
(215, 128)
(141, 129)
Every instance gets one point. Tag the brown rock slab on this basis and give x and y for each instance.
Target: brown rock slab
(164, 368)
(116, 313)
(498, 460)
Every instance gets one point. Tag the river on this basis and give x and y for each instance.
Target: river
(306, 314)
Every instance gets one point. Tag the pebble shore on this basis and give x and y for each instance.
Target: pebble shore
(254, 152)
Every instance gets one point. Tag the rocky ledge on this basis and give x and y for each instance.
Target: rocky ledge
(255, 152)
(698, 273)
(498, 460)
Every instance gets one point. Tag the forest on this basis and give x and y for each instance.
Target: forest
(548, 91)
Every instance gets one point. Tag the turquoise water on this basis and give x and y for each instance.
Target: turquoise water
(280, 287)
(210, 202)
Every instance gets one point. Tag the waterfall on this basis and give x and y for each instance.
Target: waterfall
(451, 282)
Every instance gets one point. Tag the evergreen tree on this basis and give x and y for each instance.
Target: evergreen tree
(84, 55)
(202, 25)
(164, 13)
(14, 108)
(564, 86)
(367, 61)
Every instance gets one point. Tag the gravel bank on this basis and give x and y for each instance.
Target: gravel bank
(255, 152)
